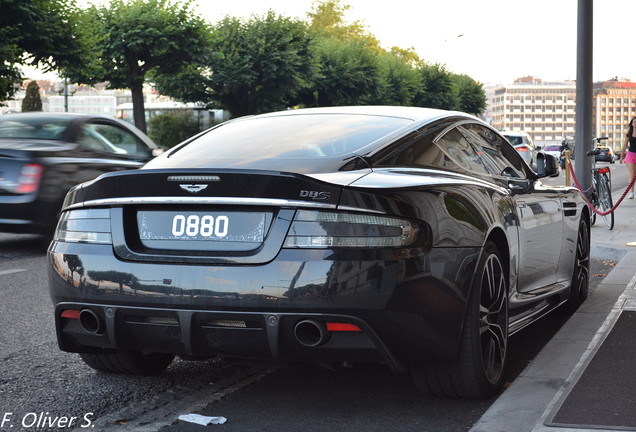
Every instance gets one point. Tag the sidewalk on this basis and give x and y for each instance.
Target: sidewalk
(533, 398)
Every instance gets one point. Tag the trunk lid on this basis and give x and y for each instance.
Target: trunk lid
(210, 216)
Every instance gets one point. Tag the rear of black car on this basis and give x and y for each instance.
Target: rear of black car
(258, 265)
(21, 175)
(271, 239)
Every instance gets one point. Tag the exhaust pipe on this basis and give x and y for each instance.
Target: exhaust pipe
(311, 333)
(90, 321)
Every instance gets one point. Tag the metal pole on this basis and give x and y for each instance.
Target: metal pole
(65, 95)
(583, 125)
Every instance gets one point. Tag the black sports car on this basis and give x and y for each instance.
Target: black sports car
(42, 155)
(413, 237)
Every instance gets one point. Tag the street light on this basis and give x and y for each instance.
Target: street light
(66, 90)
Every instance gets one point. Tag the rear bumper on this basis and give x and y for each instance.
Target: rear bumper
(263, 336)
(408, 305)
(23, 214)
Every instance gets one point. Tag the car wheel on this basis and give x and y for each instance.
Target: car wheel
(579, 287)
(478, 370)
(128, 362)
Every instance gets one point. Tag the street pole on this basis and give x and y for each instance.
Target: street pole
(583, 121)
(65, 94)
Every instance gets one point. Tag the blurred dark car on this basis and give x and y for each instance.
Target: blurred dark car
(605, 155)
(42, 155)
(412, 237)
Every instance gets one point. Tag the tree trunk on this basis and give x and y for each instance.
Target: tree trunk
(139, 112)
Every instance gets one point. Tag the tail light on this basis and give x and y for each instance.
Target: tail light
(84, 226)
(317, 229)
(522, 149)
(29, 178)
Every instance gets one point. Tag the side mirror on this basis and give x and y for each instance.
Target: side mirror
(547, 165)
(157, 151)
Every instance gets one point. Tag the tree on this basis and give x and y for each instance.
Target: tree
(470, 94)
(437, 88)
(259, 65)
(42, 33)
(134, 38)
(399, 81)
(169, 129)
(349, 74)
(327, 20)
(32, 100)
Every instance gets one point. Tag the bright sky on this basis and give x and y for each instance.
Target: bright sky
(493, 41)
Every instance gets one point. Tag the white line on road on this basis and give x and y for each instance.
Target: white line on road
(6, 272)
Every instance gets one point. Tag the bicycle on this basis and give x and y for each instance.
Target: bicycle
(601, 192)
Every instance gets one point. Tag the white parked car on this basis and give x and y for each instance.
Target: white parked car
(552, 149)
(522, 142)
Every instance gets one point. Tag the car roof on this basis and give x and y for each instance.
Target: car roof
(514, 133)
(416, 114)
(48, 115)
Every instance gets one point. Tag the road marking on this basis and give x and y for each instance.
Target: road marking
(6, 272)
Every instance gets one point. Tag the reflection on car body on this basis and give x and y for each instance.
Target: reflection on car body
(522, 142)
(427, 243)
(605, 155)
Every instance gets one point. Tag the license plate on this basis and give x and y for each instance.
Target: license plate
(161, 228)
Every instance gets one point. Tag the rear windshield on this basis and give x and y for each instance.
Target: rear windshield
(33, 128)
(551, 148)
(515, 140)
(292, 136)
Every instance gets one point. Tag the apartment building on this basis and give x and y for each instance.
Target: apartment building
(546, 110)
(614, 106)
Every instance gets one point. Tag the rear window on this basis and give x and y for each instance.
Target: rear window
(292, 137)
(551, 148)
(514, 140)
(30, 128)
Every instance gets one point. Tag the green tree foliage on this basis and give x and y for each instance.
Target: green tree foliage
(436, 90)
(190, 84)
(399, 81)
(349, 74)
(261, 64)
(42, 33)
(327, 20)
(469, 94)
(134, 38)
(350, 66)
(169, 129)
(32, 100)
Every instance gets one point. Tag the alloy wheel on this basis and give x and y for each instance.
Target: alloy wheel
(493, 319)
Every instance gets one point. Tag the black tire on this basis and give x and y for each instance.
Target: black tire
(478, 370)
(580, 285)
(605, 200)
(128, 362)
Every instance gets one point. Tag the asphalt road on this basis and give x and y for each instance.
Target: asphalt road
(40, 385)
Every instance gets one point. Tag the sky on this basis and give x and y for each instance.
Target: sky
(492, 41)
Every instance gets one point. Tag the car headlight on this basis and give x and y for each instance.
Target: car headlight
(84, 226)
(318, 229)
